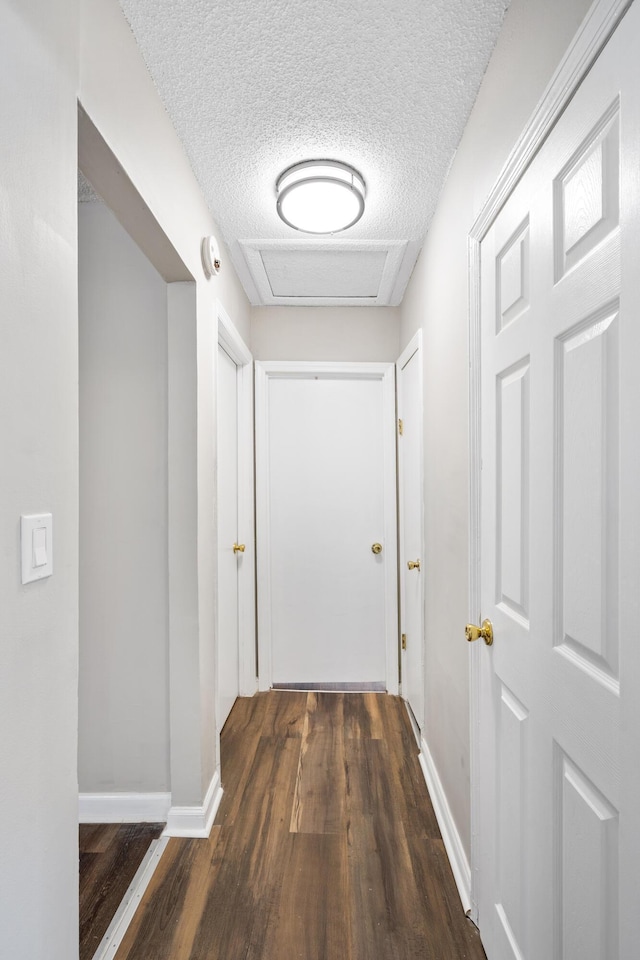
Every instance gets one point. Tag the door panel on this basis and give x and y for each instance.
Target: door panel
(512, 489)
(228, 561)
(410, 473)
(323, 594)
(587, 865)
(587, 439)
(560, 337)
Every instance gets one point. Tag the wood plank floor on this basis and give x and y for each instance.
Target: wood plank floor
(325, 846)
(110, 854)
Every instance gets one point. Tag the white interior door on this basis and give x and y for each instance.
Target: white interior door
(411, 483)
(559, 689)
(326, 495)
(228, 560)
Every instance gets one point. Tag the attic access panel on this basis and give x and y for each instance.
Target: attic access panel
(323, 272)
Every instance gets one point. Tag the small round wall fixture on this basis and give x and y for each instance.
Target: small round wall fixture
(320, 196)
(210, 256)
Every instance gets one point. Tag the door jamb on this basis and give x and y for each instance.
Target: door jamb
(385, 372)
(233, 344)
(414, 346)
(601, 20)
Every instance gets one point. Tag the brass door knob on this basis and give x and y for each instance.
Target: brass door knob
(413, 564)
(238, 548)
(376, 548)
(485, 631)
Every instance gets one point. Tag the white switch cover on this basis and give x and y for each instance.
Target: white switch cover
(37, 546)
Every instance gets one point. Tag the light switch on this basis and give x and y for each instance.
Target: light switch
(39, 546)
(36, 546)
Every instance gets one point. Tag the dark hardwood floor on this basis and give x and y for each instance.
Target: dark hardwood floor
(325, 846)
(110, 854)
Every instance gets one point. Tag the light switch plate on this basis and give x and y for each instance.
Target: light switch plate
(36, 536)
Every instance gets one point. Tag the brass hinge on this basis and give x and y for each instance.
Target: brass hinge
(404, 641)
(400, 427)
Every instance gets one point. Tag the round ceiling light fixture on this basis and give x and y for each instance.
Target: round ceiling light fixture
(320, 196)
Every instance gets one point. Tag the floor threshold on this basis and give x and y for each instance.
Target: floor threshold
(373, 686)
(131, 901)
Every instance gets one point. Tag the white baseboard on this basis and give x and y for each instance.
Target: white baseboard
(123, 807)
(451, 837)
(196, 821)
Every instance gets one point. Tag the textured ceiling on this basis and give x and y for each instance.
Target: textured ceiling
(253, 86)
(86, 193)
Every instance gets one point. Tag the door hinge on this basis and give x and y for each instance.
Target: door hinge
(404, 641)
(400, 427)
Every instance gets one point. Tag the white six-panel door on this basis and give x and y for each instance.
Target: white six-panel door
(559, 741)
(325, 471)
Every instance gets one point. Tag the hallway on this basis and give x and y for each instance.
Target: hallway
(325, 846)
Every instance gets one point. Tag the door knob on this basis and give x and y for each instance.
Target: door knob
(485, 631)
(413, 564)
(238, 548)
(376, 548)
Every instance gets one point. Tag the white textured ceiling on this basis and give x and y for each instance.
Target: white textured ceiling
(86, 192)
(253, 86)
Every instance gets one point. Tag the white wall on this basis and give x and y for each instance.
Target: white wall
(534, 37)
(39, 454)
(124, 634)
(123, 105)
(325, 333)
(41, 45)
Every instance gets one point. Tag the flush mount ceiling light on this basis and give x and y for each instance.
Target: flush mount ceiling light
(320, 196)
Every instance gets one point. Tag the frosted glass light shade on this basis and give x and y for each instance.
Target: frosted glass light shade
(320, 196)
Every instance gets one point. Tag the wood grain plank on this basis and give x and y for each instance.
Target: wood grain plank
(88, 868)
(244, 722)
(387, 918)
(312, 918)
(320, 789)
(247, 871)
(238, 745)
(285, 714)
(97, 837)
(418, 814)
(386, 909)
(363, 717)
(325, 712)
(106, 878)
(165, 924)
(451, 936)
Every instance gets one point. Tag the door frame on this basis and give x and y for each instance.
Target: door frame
(601, 20)
(414, 346)
(292, 369)
(233, 344)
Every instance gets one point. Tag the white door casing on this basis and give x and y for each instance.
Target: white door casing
(411, 522)
(228, 561)
(555, 734)
(236, 575)
(325, 493)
